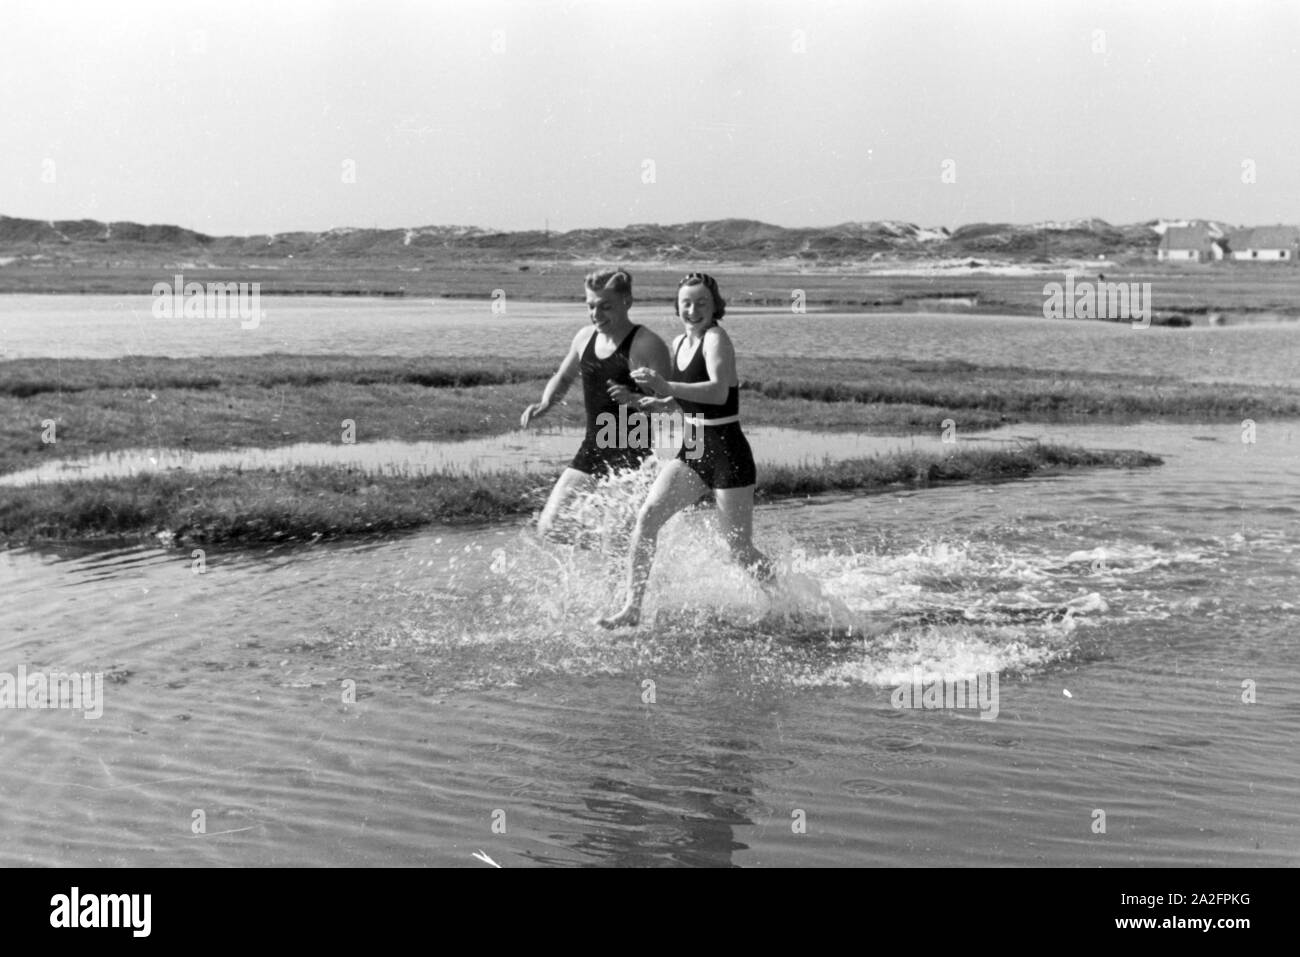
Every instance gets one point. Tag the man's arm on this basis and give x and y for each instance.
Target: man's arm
(648, 350)
(559, 383)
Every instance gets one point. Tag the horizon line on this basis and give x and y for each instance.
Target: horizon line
(725, 219)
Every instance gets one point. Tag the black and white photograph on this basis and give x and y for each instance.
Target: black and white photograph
(647, 433)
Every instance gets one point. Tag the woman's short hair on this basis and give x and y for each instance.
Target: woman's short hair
(615, 280)
(709, 283)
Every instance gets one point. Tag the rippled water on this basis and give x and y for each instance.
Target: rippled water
(1121, 610)
(111, 326)
(417, 700)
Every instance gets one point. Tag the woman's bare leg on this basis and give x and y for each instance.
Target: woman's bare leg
(676, 488)
(736, 516)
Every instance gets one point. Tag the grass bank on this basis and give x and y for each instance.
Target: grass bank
(211, 404)
(310, 504)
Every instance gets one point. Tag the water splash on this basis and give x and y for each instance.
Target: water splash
(509, 606)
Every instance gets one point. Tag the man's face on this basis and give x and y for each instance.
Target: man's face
(606, 308)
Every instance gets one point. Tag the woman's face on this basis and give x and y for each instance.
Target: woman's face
(695, 305)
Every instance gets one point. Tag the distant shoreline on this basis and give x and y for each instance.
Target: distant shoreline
(1217, 294)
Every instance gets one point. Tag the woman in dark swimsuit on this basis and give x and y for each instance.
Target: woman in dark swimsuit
(705, 387)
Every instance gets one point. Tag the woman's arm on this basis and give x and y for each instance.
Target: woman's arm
(720, 362)
(648, 352)
(651, 404)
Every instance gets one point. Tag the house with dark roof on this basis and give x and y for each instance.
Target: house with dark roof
(1191, 244)
(1266, 244)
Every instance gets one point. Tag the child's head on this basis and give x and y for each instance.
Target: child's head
(698, 299)
(609, 295)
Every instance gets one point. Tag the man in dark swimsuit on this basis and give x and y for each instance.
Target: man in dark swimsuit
(603, 354)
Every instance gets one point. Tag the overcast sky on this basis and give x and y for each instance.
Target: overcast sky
(270, 116)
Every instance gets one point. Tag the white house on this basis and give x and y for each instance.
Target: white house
(1266, 244)
(1191, 244)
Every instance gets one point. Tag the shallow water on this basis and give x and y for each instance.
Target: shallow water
(112, 326)
(1121, 610)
